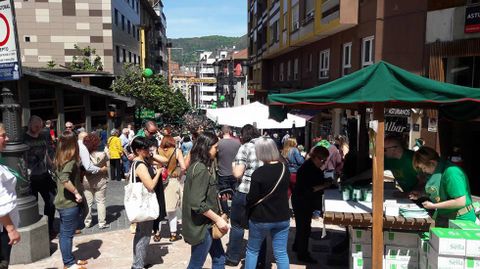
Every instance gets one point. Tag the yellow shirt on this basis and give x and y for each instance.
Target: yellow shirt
(115, 147)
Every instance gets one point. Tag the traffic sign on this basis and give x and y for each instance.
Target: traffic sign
(9, 54)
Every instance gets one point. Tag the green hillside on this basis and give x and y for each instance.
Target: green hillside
(207, 43)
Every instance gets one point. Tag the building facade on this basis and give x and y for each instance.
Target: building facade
(49, 31)
(232, 78)
(452, 49)
(298, 44)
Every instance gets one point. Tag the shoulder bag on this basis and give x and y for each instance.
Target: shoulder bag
(140, 204)
(165, 174)
(246, 217)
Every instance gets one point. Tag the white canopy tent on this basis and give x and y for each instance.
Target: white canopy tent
(255, 113)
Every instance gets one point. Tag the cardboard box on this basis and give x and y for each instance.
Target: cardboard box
(447, 241)
(439, 261)
(472, 263)
(361, 263)
(361, 250)
(395, 264)
(400, 239)
(361, 236)
(397, 253)
(472, 243)
(463, 225)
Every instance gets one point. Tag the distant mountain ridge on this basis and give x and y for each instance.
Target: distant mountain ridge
(206, 43)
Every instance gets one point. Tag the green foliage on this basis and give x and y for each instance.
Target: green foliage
(83, 60)
(208, 43)
(51, 64)
(153, 93)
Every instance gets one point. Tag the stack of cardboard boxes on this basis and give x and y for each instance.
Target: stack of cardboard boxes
(456, 247)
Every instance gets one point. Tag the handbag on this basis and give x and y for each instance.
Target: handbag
(246, 216)
(140, 204)
(216, 232)
(165, 174)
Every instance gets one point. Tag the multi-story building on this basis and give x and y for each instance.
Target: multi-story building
(183, 79)
(49, 31)
(232, 78)
(299, 44)
(204, 88)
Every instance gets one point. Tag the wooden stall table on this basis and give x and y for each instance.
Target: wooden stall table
(359, 214)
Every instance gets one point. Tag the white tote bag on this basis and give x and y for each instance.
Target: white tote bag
(140, 204)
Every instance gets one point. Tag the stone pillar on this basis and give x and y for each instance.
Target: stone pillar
(88, 113)
(60, 111)
(33, 228)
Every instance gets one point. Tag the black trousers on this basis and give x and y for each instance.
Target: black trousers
(115, 169)
(44, 185)
(5, 249)
(303, 222)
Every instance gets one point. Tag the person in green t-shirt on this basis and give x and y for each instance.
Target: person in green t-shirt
(447, 188)
(399, 161)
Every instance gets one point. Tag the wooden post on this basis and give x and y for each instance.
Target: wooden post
(377, 233)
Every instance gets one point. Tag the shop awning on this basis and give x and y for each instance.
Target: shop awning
(379, 83)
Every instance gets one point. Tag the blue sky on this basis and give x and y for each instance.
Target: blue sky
(193, 18)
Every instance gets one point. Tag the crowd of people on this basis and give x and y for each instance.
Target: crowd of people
(252, 179)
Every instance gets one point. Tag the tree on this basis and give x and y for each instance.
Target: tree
(51, 64)
(83, 61)
(153, 93)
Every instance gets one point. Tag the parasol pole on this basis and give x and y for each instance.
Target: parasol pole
(377, 233)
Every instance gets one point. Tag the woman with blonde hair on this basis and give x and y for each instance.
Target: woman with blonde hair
(172, 187)
(294, 160)
(69, 195)
(447, 188)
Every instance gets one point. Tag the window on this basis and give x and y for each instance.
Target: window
(27, 39)
(289, 70)
(117, 50)
(134, 58)
(128, 26)
(124, 56)
(137, 7)
(285, 21)
(324, 64)
(116, 17)
(274, 33)
(295, 69)
(133, 30)
(309, 10)
(347, 58)
(129, 56)
(280, 72)
(310, 62)
(123, 23)
(295, 18)
(367, 51)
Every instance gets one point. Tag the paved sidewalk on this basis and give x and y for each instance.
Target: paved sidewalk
(114, 250)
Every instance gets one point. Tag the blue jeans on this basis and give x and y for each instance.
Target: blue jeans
(69, 220)
(125, 164)
(200, 251)
(258, 233)
(236, 248)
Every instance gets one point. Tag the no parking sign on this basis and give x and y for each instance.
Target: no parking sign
(9, 54)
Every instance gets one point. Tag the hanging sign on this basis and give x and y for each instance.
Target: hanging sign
(9, 54)
(472, 19)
